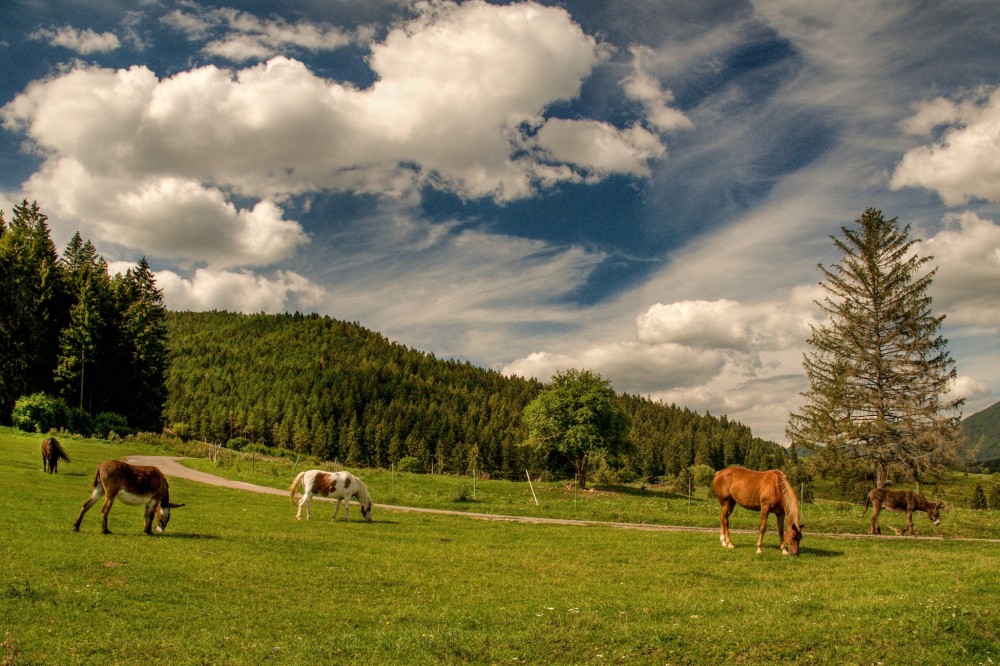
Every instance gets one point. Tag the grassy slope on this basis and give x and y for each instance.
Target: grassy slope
(236, 580)
(653, 504)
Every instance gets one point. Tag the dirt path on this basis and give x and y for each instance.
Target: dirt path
(169, 466)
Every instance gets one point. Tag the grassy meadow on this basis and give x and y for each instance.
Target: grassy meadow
(654, 505)
(237, 580)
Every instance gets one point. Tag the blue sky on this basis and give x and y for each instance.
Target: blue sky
(644, 189)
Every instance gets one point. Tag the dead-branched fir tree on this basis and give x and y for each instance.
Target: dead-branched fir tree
(879, 370)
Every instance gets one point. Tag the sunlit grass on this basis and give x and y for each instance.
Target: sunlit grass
(237, 580)
(633, 503)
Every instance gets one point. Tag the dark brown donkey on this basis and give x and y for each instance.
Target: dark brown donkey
(52, 451)
(900, 500)
(133, 484)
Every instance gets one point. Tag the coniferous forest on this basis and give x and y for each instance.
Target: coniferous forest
(71, 331)
(309, 384)
(336, 390)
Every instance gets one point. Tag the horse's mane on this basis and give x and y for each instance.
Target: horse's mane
(788, 499)
(362, 490)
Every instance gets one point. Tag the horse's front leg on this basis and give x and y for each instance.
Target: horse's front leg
(150, 514)
(781, 534)
(764, 510)
(909, 523)
(727, 508)
(336, 510)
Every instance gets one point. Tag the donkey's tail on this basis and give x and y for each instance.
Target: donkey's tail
(868, 503)
(295, 486)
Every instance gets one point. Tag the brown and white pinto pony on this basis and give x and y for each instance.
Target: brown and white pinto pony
(339, 485)
(134, 485)
(900, 500)
(767, 492)
(52, 451)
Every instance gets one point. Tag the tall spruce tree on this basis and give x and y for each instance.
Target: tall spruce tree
(140, 390)
(879, 370)
(32, 306)
(85, 365)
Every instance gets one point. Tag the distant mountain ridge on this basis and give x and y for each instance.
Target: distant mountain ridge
(983, 431)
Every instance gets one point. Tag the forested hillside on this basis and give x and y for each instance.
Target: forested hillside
(983, 431)
(316, 385)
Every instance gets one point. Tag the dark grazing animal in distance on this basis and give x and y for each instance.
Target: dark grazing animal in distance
(52, 451)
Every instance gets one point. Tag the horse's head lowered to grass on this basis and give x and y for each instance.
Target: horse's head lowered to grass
(134, 484)
(767, 492)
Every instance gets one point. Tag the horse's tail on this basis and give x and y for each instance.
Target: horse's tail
(63, 455)
(868, 503)
(295, 486)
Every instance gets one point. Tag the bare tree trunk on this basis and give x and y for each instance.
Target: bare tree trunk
(581, 472)
(881, 473)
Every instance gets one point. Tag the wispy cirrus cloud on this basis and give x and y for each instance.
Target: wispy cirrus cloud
(84, 41)
(240, 36)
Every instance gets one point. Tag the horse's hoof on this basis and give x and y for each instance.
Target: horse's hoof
(760, 552)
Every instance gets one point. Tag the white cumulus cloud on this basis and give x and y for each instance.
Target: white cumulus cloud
(967, 284)
(460, 92)
(239, 291)
(964, 163)
(643, 87)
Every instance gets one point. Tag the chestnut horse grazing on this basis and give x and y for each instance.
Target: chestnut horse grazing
(135, 485)
(52, 451)
(900, 500)
(340, 485)
(767, 492)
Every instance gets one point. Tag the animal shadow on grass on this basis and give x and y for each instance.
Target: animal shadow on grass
(187, 535)
(352, 521)
(820, 552)
(164, 535)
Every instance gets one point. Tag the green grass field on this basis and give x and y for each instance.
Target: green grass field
(237, 580)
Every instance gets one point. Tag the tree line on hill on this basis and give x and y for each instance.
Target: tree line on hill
(71, 332)
(90, 352)
(315, 385)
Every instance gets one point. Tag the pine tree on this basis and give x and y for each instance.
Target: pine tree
(979, 498)
(85, 367)
(140, 389)
(994, 498)
(32, 305)
(879, 370)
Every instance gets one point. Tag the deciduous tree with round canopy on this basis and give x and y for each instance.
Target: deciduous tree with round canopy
(577, 415)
